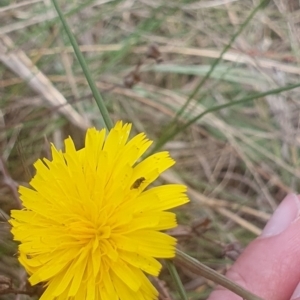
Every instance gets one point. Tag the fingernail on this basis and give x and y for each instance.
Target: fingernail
(284, 215)
(296, 294)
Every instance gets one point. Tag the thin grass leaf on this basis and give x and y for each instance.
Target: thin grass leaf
(176, 279)
(216, 62)
(167, 137)
(94, 89)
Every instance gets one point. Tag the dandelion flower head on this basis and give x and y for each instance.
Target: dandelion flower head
(90, 227)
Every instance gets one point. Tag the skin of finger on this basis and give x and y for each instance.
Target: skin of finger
(269, 267)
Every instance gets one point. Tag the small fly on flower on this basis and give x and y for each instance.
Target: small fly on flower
(137, 183)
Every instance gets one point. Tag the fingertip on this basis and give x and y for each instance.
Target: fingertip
(269, 266)
(284, 215)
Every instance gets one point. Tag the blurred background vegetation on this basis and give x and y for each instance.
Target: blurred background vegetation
(148, 57)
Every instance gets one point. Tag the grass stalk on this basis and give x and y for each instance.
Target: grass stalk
(99, 100)
(165, 138)
(215, 63)
(176, 279)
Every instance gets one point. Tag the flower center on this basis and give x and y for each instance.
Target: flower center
(103, 232)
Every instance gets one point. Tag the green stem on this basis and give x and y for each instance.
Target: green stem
(198, 268)
(176, 279)
(175, 131)
(216, 62)
(94, 89)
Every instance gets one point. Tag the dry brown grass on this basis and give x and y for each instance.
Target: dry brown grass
(238, 162)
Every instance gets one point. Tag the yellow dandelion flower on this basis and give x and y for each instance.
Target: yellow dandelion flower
(89, 228)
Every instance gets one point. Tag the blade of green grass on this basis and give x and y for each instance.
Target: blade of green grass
(165, 138)
(94, 89)
(176, 279)
(215, 63)
(227, 73)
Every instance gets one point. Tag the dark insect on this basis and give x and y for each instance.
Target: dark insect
(133, 77)
(137, 183)
(154, 53)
